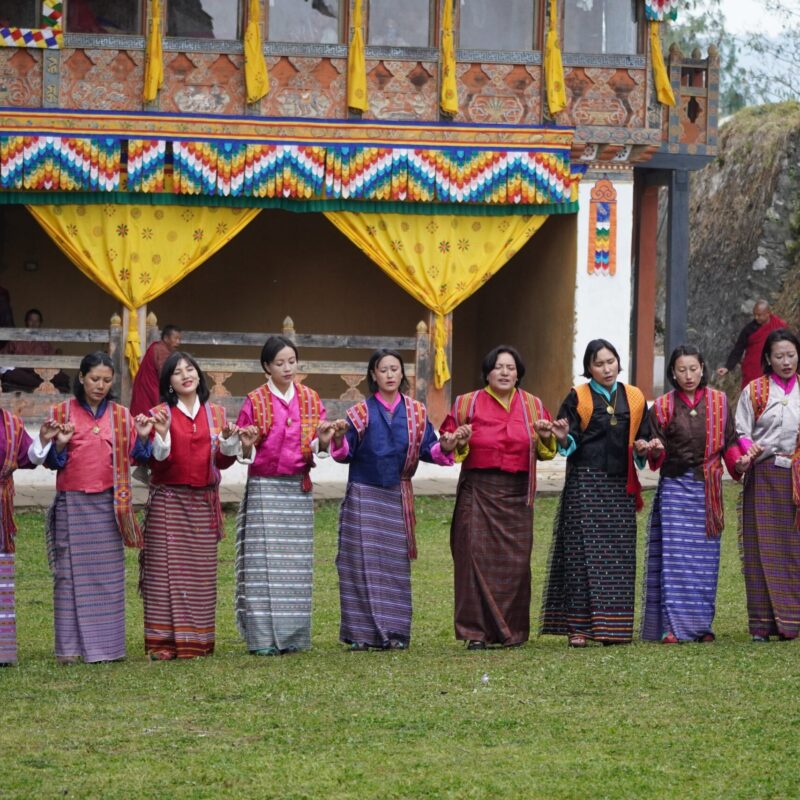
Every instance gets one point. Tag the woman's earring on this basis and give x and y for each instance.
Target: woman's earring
(171, 390)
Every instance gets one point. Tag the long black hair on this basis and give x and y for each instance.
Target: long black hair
(779, 335)
(375, 359)
(592, 349)
(490, 360)
(686, 350)
(170, 365)
(88, 363)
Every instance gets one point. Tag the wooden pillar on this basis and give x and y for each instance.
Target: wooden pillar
(646, 272)
(439, 399)
(677, 262)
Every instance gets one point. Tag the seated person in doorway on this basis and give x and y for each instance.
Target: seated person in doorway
(26, 379)
(144, 392)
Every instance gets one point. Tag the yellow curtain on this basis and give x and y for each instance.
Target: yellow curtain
(660, 74)
(439, 260)
(447, 56)
(553, 67)
(136, 253)
(356, 65)
(256, 79)
(153, 58)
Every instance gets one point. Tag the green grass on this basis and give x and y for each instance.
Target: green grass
(642, 721)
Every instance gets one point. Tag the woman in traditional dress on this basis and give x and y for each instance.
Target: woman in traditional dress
(183, 522)
(491, 536)
(694, 432)
(589, 593)
(281, 426)
(92, 515)
(17, 451)
(383, 441)
(767, 420)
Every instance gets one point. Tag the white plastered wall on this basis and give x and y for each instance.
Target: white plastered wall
(603, 302)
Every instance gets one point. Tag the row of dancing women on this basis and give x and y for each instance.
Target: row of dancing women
(498, 433)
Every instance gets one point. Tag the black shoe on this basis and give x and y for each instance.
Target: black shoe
(475, 645)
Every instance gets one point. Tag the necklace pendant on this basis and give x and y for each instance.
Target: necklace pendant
(610, 410)
(194, 427)
(96, 429)
(289, 422)
(613, 420)
(785, 401)
(693, 413)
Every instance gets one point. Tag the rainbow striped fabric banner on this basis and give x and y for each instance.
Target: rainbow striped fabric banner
(55, 163)
(659, 10)
(602, 258)
(468, 176)
(50, 36)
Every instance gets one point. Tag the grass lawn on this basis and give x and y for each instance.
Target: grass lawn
(717, 721)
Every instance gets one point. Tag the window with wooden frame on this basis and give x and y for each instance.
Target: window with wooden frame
(104, 16)
(205, 19)
(306, 21)
(497, 24)
(601, 26)
(20, 13)
(400, 24)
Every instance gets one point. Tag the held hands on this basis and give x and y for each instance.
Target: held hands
(722, 371)
(248, 436)
(161, 420)
(745, 461)
(325, 431)
(339, 430)
(230, 429)
(557, 427)
(65, 431)
(48, 431)
(653, 447)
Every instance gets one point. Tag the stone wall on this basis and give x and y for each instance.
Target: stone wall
(745, 228)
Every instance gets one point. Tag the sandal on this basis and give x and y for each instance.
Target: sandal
(760, 639)
(707, 637)
(476, 645)
(266, 651)
(161, 655)
(358, 647)
(397, 644)
(669, 638)
(577, 640)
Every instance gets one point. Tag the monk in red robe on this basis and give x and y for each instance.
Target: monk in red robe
(751, 342)
(144, 393)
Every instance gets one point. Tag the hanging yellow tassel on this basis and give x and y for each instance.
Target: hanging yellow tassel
(447, 56)
(441, 372)
(256, 78)
(153, 58)
(660, 75)
(133, 345)
(357, 65)
(553, 66)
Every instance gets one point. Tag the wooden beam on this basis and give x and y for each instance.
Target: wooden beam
(677, 263)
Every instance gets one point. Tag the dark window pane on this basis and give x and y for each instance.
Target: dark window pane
(204, 19)
(600, 26)
(399, 24)
(313, 21)
(20, 13)
(104, 16)
(496, 24)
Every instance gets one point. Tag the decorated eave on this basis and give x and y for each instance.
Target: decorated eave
(66, 156)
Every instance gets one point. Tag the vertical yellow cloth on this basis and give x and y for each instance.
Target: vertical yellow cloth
(660, 74)
(136, 253)
(153, 57)
(256, 79)
(447, 56)
(357, 65)
(439, 260)
(553, 67)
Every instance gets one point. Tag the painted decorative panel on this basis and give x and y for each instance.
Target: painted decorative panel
(499, 93)
(605, 96)
(602, 258)
(404, 90)
(20, 77)
(306, 87)
(106, 80)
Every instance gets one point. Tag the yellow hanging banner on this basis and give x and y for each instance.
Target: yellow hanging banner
(153, 57)
(447, 56)
(660, 74)
(357, 65)
(553, 66)
(256, 78)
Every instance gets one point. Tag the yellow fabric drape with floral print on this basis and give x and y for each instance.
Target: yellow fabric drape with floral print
(439, 260)
(448, 100)
(256, 77)
(136, 253)
(357, 65)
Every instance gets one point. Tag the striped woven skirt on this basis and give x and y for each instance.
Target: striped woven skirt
(274, 563)
(590, 586)
(770, 548)
(374, 568)
(8, 620)
(178, 578)
(682, 563)
(491, 540)
(89, 577)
